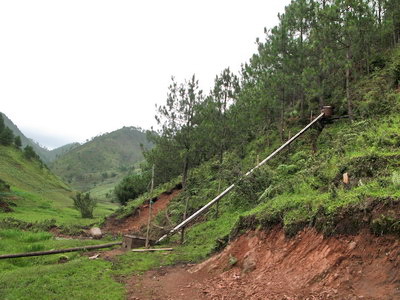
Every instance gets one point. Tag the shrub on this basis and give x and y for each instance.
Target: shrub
(6, 137)
(29, 153)
(85, 204)
(396, 179)
(131, 187)
(18, 142)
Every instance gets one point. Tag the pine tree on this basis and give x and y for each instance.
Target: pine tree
(18, 142)
(6, 137)
(177, 118)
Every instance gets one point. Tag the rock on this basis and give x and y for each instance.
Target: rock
(352, 245)
(346, 178)
(95, 232)
(63, 259)
(249, 264)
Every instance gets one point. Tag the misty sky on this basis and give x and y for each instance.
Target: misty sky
(70, 70)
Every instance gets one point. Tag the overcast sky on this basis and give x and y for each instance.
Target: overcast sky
(70, 70)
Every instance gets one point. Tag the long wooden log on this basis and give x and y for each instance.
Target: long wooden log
(152, 250)
(40, 253)
(225, 192)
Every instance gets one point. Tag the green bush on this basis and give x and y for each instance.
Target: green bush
(85, 204)
(29, 153)
(131, 187)
(6, 137)
(396, 179)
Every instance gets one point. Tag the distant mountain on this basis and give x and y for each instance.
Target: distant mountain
(58, 152)
(46, 155)
(103, 160)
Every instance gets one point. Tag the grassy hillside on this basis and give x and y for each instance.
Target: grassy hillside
(37, 193)
(57, 152)
(301, 188)
(102, 160)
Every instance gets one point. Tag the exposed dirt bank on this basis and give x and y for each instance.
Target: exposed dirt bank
(134, 222)
(267, 265)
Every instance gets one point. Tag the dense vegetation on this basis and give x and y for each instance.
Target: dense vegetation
(7, 137)
(322, 53)
(340, 53)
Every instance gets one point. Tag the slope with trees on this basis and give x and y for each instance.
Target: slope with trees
(320, 54)
(46, 155)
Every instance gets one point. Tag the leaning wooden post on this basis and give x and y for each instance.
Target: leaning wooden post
(184, 218)
(150, 208)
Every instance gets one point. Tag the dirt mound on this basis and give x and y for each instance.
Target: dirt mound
(267, 265)
(136, 221)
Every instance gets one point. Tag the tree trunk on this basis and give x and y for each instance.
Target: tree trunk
(185, 170)
(282, 115)
(321, 99)
(184, 182)
(349, 104)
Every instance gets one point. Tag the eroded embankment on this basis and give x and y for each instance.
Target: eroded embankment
(139, 218)
(268, 265)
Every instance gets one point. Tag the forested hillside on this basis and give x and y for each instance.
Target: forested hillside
(339, 53)
(103, 159)
(46, 155)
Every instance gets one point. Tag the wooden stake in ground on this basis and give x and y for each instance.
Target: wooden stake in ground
(150, 207)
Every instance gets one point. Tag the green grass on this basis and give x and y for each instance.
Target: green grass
(79, 279)
(39, 194)
(33, 207)
(43, 277)
(104, 191)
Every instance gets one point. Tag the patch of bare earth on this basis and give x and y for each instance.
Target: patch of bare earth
(267, 265)
(136, 221)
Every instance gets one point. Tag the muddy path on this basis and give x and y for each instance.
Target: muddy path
(267, 265)
(136, 221)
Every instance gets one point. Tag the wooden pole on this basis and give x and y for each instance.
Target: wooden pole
(228, 189)
(184, 218)
(150, 208)
(152, 250)
(219, 190)
(40, 253)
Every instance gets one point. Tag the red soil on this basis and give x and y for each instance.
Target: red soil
(136, 221)
(267, 265)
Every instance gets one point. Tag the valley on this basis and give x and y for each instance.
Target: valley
(281, 181)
